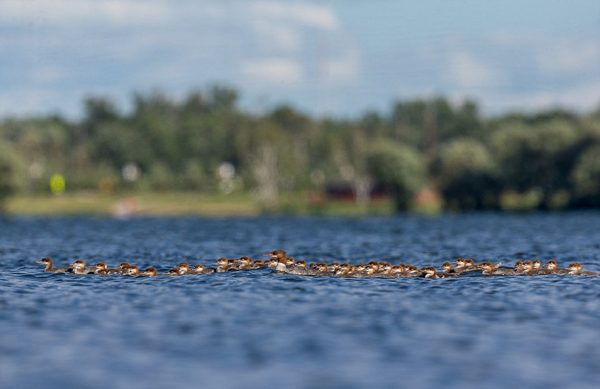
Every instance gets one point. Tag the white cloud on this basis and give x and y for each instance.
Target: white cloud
(467, 71)
(342, 68)
(273, 70)
(582, 98)
(568, 57)
(47, 74)
(278, 36)
(312, 15)
(112, 12)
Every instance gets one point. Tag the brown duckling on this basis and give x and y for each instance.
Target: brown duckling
(575, 269)
(149, 272)
(49, 269)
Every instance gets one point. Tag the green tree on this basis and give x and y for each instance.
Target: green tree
(9, 173)
(586, 177)
(538, 158)
(399, 168)
(466, 175)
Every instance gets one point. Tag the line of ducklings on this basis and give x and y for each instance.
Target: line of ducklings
(281, 263)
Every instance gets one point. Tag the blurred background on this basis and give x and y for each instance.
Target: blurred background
(346, 107)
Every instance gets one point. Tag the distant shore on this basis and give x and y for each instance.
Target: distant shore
(181, 204)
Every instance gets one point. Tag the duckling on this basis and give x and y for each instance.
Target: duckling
(200, 269)
(132, 270)
(334, 267)
(101, 269)
(553, 266)
(412, 270)
(428, 272)
(447, 268)
(172, 272)
(121, 269)
(343, 270)
(244, 263)
(322, 270)
(461, 265)
(223, 265)
(575, 269)
(489, 269)
(386, 270)
(80, 268)
(49, 269)
(149, 272)
(183, 268)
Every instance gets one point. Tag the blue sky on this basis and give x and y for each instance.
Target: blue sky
(338, 57)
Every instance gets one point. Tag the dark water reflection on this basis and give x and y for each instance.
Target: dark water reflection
(257, 329)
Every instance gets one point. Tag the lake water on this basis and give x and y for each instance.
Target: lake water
(258, 329)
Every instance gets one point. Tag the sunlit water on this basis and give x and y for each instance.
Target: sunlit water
(258, 329)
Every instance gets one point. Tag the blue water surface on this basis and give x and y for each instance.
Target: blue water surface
(258, 329)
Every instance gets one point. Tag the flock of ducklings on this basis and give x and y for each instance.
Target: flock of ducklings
(281, 263)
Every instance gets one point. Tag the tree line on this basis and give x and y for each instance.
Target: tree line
(206, 142)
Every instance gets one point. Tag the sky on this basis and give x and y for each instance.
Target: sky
(328, 57)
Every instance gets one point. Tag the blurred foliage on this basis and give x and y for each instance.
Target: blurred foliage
(466, 175)
(586, 177)
(206, 143)
(399, 168)
(9, 173)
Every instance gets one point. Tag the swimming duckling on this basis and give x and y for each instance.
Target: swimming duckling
(447, 267)
(518, 266)
(334, 267)
(371, 269)
(223, 265)
(101, 269)
(470, 266)
(489, 269)
(553, 267)
(149, 272)
(183, 268)
(200, 269)
(412, 270)
(244, 263)
(132, 270)
(428, 272)
(322, 270)
(258, 264)
(80, 268)
(385, 270)
(233, 265)
(461, 265)
(575, 269)
(526, 267)
(343, 270)
(537, 264)
(121, 269)
(49, 269)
